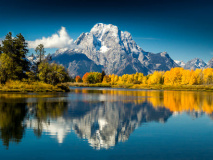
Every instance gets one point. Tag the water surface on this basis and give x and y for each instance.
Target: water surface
(97, 123)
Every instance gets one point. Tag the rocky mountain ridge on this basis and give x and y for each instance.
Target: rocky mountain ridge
(195, 63)
(210, 63)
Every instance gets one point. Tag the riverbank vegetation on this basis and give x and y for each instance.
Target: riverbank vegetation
(175, 79)
(18, 74)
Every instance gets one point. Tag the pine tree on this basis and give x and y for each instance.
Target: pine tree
(102, 75)
(21, 52)
(40, 52)
(16, 49)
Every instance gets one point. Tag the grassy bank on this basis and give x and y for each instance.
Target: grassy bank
(145, 86)
(19, 86)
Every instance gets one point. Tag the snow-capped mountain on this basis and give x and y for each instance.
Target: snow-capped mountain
(210, 64)
(180, 63)
(195, 63)
(115, 51)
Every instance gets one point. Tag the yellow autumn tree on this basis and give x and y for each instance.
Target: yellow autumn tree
(174, 76)
(106, 79)
(186, 75)
(130, 78)
(140, 77)
(200, 76)
(193, 78)
(156, 78)
(208, 75)
(196, 77)
(116, 79)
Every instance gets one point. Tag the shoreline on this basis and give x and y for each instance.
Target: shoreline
(38, 87)
(208, 88)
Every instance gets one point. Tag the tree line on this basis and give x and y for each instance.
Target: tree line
(175, 76)
(15, 66)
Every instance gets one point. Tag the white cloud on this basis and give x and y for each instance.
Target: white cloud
(57, 40)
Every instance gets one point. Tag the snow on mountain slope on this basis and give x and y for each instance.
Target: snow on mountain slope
(195, 63)
(210, 64)
(180, 63)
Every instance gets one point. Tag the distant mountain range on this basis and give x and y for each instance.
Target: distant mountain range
(107, 48)
(195, 63)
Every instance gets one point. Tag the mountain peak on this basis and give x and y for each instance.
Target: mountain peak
(163, 54)
(102, 25)
(196, 59)
(195, 63)
(210, 63)
(101, 30)
(117, 52)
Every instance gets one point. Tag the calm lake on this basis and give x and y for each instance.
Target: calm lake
(97, 123)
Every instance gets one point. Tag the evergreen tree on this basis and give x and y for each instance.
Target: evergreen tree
(16, 49)
(102, 75)
(21, 52)
(40, 52)
(8, 45)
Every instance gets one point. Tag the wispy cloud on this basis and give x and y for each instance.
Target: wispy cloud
(57, 40)
(147, 38)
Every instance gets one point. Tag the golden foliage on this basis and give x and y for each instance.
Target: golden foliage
(174, 77)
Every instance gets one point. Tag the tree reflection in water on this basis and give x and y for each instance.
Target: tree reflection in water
(11, 118)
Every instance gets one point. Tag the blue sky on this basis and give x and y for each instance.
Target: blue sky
(183, 28)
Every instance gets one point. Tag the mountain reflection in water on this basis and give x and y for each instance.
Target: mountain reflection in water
(104, 117)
